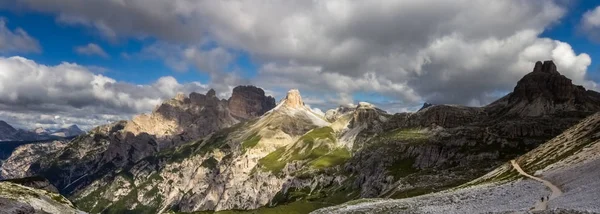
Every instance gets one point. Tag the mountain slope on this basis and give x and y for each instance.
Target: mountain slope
(113, 146)
(546, 91)
(229, 169)
(570, 160)
(7, 132)
(16, 198)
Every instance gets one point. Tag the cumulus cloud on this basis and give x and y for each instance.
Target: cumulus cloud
(91, 49)
(590, 24)
(410, 51)
(214, 61)
(75, 94)
(17, 40)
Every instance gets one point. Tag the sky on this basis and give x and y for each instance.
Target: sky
(91, 62)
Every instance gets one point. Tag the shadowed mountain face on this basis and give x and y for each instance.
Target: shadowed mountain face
(201, 153)
(249, 102)
(546, 91)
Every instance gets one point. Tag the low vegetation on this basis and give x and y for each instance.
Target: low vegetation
(317, 148)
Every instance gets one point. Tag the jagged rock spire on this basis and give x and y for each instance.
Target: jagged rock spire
(546, 67)
(293, 99)
(211, 93)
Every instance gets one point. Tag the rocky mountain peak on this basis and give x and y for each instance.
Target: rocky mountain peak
(546, 67)
(365, 113)
(5, 127)
(293, 99)
(547, 83)
(546, 91)
(365, 105)
(180, 97)
(425, 105)
(249, 102)
(211, 93)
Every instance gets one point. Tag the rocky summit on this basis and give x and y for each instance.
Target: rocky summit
(546, 91)
(199, 153)
(249, 102)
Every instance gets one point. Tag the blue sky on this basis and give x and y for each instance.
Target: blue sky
(395, 54)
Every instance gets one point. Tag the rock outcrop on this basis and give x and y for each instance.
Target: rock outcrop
(21, 159)
(34, 182)
(249, 102)
(333, 114)
(293, 99)
(546, 91)
(183, 118)
(19, 199)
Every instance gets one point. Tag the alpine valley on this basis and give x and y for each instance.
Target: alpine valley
(534, 149)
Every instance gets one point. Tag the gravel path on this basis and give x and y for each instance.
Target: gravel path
(542, 204)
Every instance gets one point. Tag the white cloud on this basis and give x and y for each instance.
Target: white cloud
(17, 41)
(590, 23)
(75, 94)
(91, 49)
(451, 51)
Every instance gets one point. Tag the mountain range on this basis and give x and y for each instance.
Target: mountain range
(199, 153)
(9, 133)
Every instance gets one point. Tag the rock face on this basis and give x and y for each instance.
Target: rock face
(17, 165)
(333, 114)
(183, 118)
(20, 199)
(248, 102)
(546, 91)
(34, 182)
(293, 99)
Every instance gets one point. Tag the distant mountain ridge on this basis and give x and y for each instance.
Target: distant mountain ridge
(9, 133)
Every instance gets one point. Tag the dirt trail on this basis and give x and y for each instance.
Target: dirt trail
(542, 204)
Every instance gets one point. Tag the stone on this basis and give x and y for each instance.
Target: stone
(545, 91)
(293, 99)
(248, 102)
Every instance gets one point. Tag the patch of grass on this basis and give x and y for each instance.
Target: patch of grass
(402, 168)
(210, 163)
(413, 135)
(271, 162)
(305, 150)
(318, 133)
(546, 160)
(250, 142)
(334, 158)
